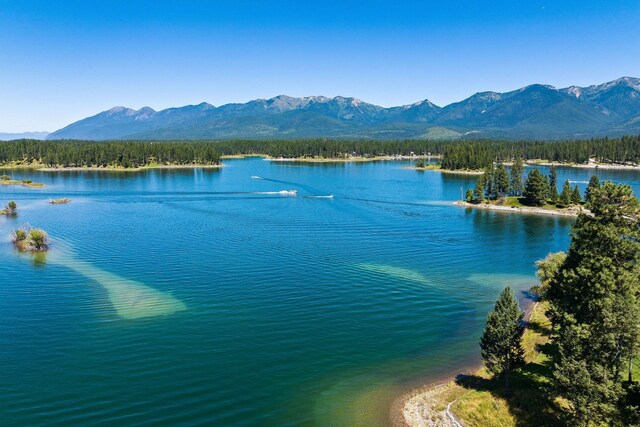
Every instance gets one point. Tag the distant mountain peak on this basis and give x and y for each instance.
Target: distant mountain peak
(534, 111)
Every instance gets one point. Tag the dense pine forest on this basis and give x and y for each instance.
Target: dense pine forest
(479, 154)
(472, 154)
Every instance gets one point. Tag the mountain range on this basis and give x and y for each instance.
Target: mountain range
(532, 112)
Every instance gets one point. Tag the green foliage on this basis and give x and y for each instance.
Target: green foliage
(594, 182)
(470, 154)
(38, 238)
(547, 270)
(469, 195)
(478, 189)
(30, 239)
(501, 342)
(536, 189)
(553, 186)
(421, 163)
(26, 181)
(516, 177)
(576, 198)
(595, 308)
(479, 154)
(489, 183)
(11, 208)
(501, 181)
(565, 196)
(20, 235)
(5, 178)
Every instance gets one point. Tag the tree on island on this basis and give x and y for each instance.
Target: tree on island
(594, 183)
(536, 188)
(469, 195)
(501, 342)
(490, 189)
(576, 198)
(553, 186)
(595, 310)
(516, 177)
(565, 196)
(501, 181)
(478, 189)
(30, 239)
(10, 210)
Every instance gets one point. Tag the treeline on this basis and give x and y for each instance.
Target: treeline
(479, 154)
(140, 153)
(475, 154)
(109, 153)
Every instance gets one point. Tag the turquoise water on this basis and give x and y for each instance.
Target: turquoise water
(175, 297)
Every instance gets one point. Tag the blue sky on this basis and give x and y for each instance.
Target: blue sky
(62, 61)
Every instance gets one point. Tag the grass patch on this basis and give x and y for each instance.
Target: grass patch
(479, 399)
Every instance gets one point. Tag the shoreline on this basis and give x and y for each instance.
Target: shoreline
(347, 159)
(419, 408)
(590, 165)
(41, 168)
(567, 212)
(436, 168)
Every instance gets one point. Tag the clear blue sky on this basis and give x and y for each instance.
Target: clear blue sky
(62, 61)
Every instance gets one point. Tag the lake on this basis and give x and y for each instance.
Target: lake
(200, 296)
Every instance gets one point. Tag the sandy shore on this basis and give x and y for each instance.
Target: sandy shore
(437, 168)
(121, 169)
(346, 159)
(571, 212)
(24, 184)
(430, 405)
(590, 165)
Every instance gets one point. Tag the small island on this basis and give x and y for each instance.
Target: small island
(61, 201)
(27, 239)
(6, 180)
(496, 189)
(10, 210)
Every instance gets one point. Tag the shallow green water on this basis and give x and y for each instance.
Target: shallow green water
(199, 297)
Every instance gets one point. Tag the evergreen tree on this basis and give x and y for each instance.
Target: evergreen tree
(478, 189)
(516, 176)
(547, 269)
(595, 308)
(576, 199)
(536, 189)
(490, 189)
(469, 195)
(565, 196)
(501, 181)
(553, 186)
(501, 342)
(594, 182)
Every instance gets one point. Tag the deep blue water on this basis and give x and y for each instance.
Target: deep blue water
(184, 297)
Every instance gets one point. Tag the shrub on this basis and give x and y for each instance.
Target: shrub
(38, 239)
(20, 235)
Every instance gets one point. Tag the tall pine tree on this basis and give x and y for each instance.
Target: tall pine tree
(516, 177)
(595, 308)
(536, 189)
(501, 342)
